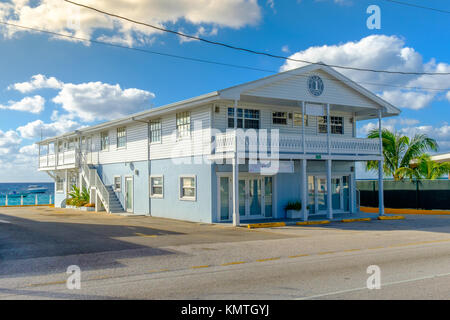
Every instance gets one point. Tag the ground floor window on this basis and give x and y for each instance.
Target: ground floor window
(188, 188)
(59, 184)
(117, 183)
(157, 186)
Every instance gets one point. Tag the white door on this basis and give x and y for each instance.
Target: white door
(129, 194)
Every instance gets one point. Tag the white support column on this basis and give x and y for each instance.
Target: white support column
(329, 192)
(304, 193)
(380, 168)
(303, 128)
(328, 129)
(236, 216)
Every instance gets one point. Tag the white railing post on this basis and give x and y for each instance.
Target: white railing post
(6, 200)
(50, 199)
(21, 199)
(36, 199)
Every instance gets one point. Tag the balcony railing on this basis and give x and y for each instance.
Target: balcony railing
(293, 143)
(67, 158)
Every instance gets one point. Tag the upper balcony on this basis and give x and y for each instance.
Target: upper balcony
(62, 160)
(294, 146)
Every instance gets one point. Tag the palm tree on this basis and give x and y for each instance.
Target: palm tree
(399, 151)
(425, 168)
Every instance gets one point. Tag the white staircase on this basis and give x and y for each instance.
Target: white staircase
(106, 194)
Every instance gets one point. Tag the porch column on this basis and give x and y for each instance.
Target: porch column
(380, 168)
(328, 129)
(304, 193)
(303, 128)
(329, 192)
(236, 216)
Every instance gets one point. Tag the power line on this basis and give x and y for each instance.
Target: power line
(202, 60)
(229, 46)
(417, 6)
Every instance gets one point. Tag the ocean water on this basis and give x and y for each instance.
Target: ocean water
(28, 198)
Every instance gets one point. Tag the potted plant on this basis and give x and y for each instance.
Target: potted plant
(293, 210)
(78, 198)
(89, 207)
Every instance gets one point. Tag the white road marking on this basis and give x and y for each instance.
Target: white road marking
(382, 285)
(4, 221)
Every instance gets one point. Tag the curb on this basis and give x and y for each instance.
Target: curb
(266, 225)
(391, 218)
(356, 220)
(311, 223)
(407, 211)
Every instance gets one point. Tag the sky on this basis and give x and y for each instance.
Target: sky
(52, 85)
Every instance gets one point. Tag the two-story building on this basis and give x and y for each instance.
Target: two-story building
(238, 154)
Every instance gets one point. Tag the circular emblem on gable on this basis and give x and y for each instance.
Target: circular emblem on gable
(315, 85)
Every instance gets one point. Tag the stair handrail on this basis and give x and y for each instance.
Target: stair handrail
(95, 181)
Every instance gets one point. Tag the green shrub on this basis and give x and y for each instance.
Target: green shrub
(293, 205)
(78, 197)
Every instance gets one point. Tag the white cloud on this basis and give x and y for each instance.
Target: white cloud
(9, 139)
(34, 129)
(36, 82)
(408, 99)
(28, 104)
(201, 32)
(62, 17)
(384, 53)
(391, 124)
(448, 96)
(101, 101)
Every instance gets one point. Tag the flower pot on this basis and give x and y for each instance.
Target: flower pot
(294, 214)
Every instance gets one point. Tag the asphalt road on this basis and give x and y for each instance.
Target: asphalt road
(148, 258)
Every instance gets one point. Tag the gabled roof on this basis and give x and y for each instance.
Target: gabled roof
(236, 91)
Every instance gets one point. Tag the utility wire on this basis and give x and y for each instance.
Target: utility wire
(229, 46)
(203, 60)
(417, 6)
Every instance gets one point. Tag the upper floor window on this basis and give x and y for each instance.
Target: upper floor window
(121, 137)
(279, 118)
(104, 141)
(337, 125)
(183, 124)
(155, 131)
(60, 147)
(246, 118)
(298, 119)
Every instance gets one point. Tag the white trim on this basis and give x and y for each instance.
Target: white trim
(180, 188)
(152, 195)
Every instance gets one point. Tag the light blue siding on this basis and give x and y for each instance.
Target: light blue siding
(140, 182)
(171, 206)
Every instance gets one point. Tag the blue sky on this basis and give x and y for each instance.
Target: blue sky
(55, 85)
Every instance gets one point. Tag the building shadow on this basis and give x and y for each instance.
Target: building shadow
(34, 247)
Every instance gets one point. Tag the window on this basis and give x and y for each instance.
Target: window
(279, 118)
(298, 119)
(188, 188)
(156, 186)
(246, 118)
(59, 184)
(155, 131)
(183, 124)
(104, 141)
(121, 137)
(117, 183)
(337, 125)
(60, 147)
